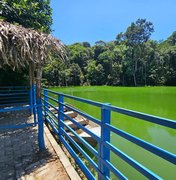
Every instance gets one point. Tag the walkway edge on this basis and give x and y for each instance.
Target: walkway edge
(61, 155)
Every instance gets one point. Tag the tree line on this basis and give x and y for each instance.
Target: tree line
(132, 59)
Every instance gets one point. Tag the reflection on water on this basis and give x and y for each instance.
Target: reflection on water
(162, 135)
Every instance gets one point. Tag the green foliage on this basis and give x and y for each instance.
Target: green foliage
(79, 54)
(172, 39)
(31, 14)
(95, 73)
(9, 78)
(131, 60)
(139, 32)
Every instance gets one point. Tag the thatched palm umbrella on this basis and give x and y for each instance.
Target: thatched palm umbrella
(21, 47)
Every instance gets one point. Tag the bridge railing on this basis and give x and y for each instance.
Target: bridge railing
(103, 166)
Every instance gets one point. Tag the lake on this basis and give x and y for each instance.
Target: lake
(159, 101)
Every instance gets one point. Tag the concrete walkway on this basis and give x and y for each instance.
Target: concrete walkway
(20, 157)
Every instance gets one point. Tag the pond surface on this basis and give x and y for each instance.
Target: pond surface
(158, 101)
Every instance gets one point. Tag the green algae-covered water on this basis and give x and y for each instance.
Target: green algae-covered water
(158, 101)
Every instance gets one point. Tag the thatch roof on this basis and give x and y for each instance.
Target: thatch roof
(19, 46)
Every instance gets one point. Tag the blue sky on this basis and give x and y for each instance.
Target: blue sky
(93, 20)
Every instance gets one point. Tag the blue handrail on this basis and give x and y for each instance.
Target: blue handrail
(103, 165)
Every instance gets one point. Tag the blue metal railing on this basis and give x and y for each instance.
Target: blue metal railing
(11, 96)
(15, 98)
(103, 166)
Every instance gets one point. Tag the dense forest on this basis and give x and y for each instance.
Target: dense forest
(131, 59)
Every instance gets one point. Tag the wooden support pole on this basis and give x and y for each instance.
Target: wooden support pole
(32, 90)
(39, 109)
(31, 74)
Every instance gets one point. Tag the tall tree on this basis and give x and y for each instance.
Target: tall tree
(136, 36)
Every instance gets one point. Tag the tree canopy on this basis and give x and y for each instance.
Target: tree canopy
(132, 59)
(35, 14)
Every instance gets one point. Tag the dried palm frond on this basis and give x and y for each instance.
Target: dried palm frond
(19, 46)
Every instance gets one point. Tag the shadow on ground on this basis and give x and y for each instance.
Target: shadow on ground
(19, 153)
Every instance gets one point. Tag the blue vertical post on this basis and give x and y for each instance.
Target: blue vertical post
(60, 115)
(34, 102)
(31, 99)
(45, 103)
(103, 152)
(40, 125)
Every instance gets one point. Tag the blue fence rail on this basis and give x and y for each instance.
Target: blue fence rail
(103, 167)
(15, 98)
(14, 95)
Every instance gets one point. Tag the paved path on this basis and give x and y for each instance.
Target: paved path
(19, 155)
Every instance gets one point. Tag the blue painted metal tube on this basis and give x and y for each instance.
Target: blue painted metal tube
(115, 171)
(53, 92)
(45, 102)
(104, 152)
(40, 126)
(52, 126)
(106, 143)
(49, 111)
(150, 147)
(16, 126)
(15, 97)
(31, 100)
(83, 128)
(15, 104)
(14, 109)
(139, 167)
(50, 105)
(34, 103)
(94, 152)
(15, 101)
(147, 117)
(84, 114)
(55, 100)
(12, 90)
(14, 94)
(78, 99)
(154, 119)
(52, 119)
(3, 87)
(84, 100)
(60, 115)
(93, 164)
(78, 160)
